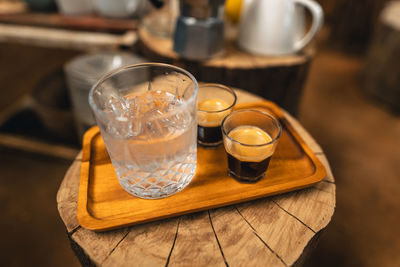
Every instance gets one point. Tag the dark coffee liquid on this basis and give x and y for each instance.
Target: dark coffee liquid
(245, 170)
(209, 135)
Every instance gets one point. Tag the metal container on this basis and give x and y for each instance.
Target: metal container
(199, 32)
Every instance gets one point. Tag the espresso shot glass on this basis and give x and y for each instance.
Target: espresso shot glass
(250, 138)
(214, 103)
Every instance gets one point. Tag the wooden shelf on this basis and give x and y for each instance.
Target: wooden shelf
(59, 38)
(81, 22)
(32, 145)
(86, 32)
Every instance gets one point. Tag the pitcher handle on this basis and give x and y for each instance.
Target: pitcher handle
(318, 19)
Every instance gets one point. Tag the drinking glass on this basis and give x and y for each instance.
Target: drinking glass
(147, 117)
(214, 103)
(250, 138)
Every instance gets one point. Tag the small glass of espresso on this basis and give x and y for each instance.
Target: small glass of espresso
(250, 138)
(214, 103)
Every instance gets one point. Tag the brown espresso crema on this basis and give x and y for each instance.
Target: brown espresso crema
(210, 115)
(248, 158)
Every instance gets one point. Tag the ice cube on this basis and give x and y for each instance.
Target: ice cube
(154, 114)
(118, 106)
(119, 121)
(178, 120)
(134, 115)
(156, 128)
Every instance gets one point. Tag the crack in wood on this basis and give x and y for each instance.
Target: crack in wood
(255, 233)
(251, 226)
(173, 243)
(276, 254)
(216, 237)
(294, 216)
(74, 230)
(119, 242)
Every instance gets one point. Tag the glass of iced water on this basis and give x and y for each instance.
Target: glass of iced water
(147, 117)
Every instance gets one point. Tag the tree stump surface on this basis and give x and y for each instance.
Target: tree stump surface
(382, 73)
(273, 231)
(279, 79)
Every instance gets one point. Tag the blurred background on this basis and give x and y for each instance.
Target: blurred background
(344, 87)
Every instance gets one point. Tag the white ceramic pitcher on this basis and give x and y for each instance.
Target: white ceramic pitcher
(276, 27)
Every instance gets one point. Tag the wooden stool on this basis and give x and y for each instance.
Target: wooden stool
(382, 74)
(279, 79)
(274, 231)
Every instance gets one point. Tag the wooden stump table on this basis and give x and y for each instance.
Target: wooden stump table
(274, 231)
(276, 78)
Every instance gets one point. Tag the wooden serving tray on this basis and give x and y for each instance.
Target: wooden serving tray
(104, 205)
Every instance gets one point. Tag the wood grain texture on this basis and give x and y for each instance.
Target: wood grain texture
(240, 242)
(279, 79)
(145, 245)
(268, 232)
(277, 229)
(194, 244)
(97, 251)
(67, 195)
(306, 204)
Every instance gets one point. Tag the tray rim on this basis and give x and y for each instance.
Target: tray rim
(87, 221)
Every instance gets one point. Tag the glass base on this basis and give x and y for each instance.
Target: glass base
(248, 180)
(160, 183)
(156, 193)
(209, 145)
